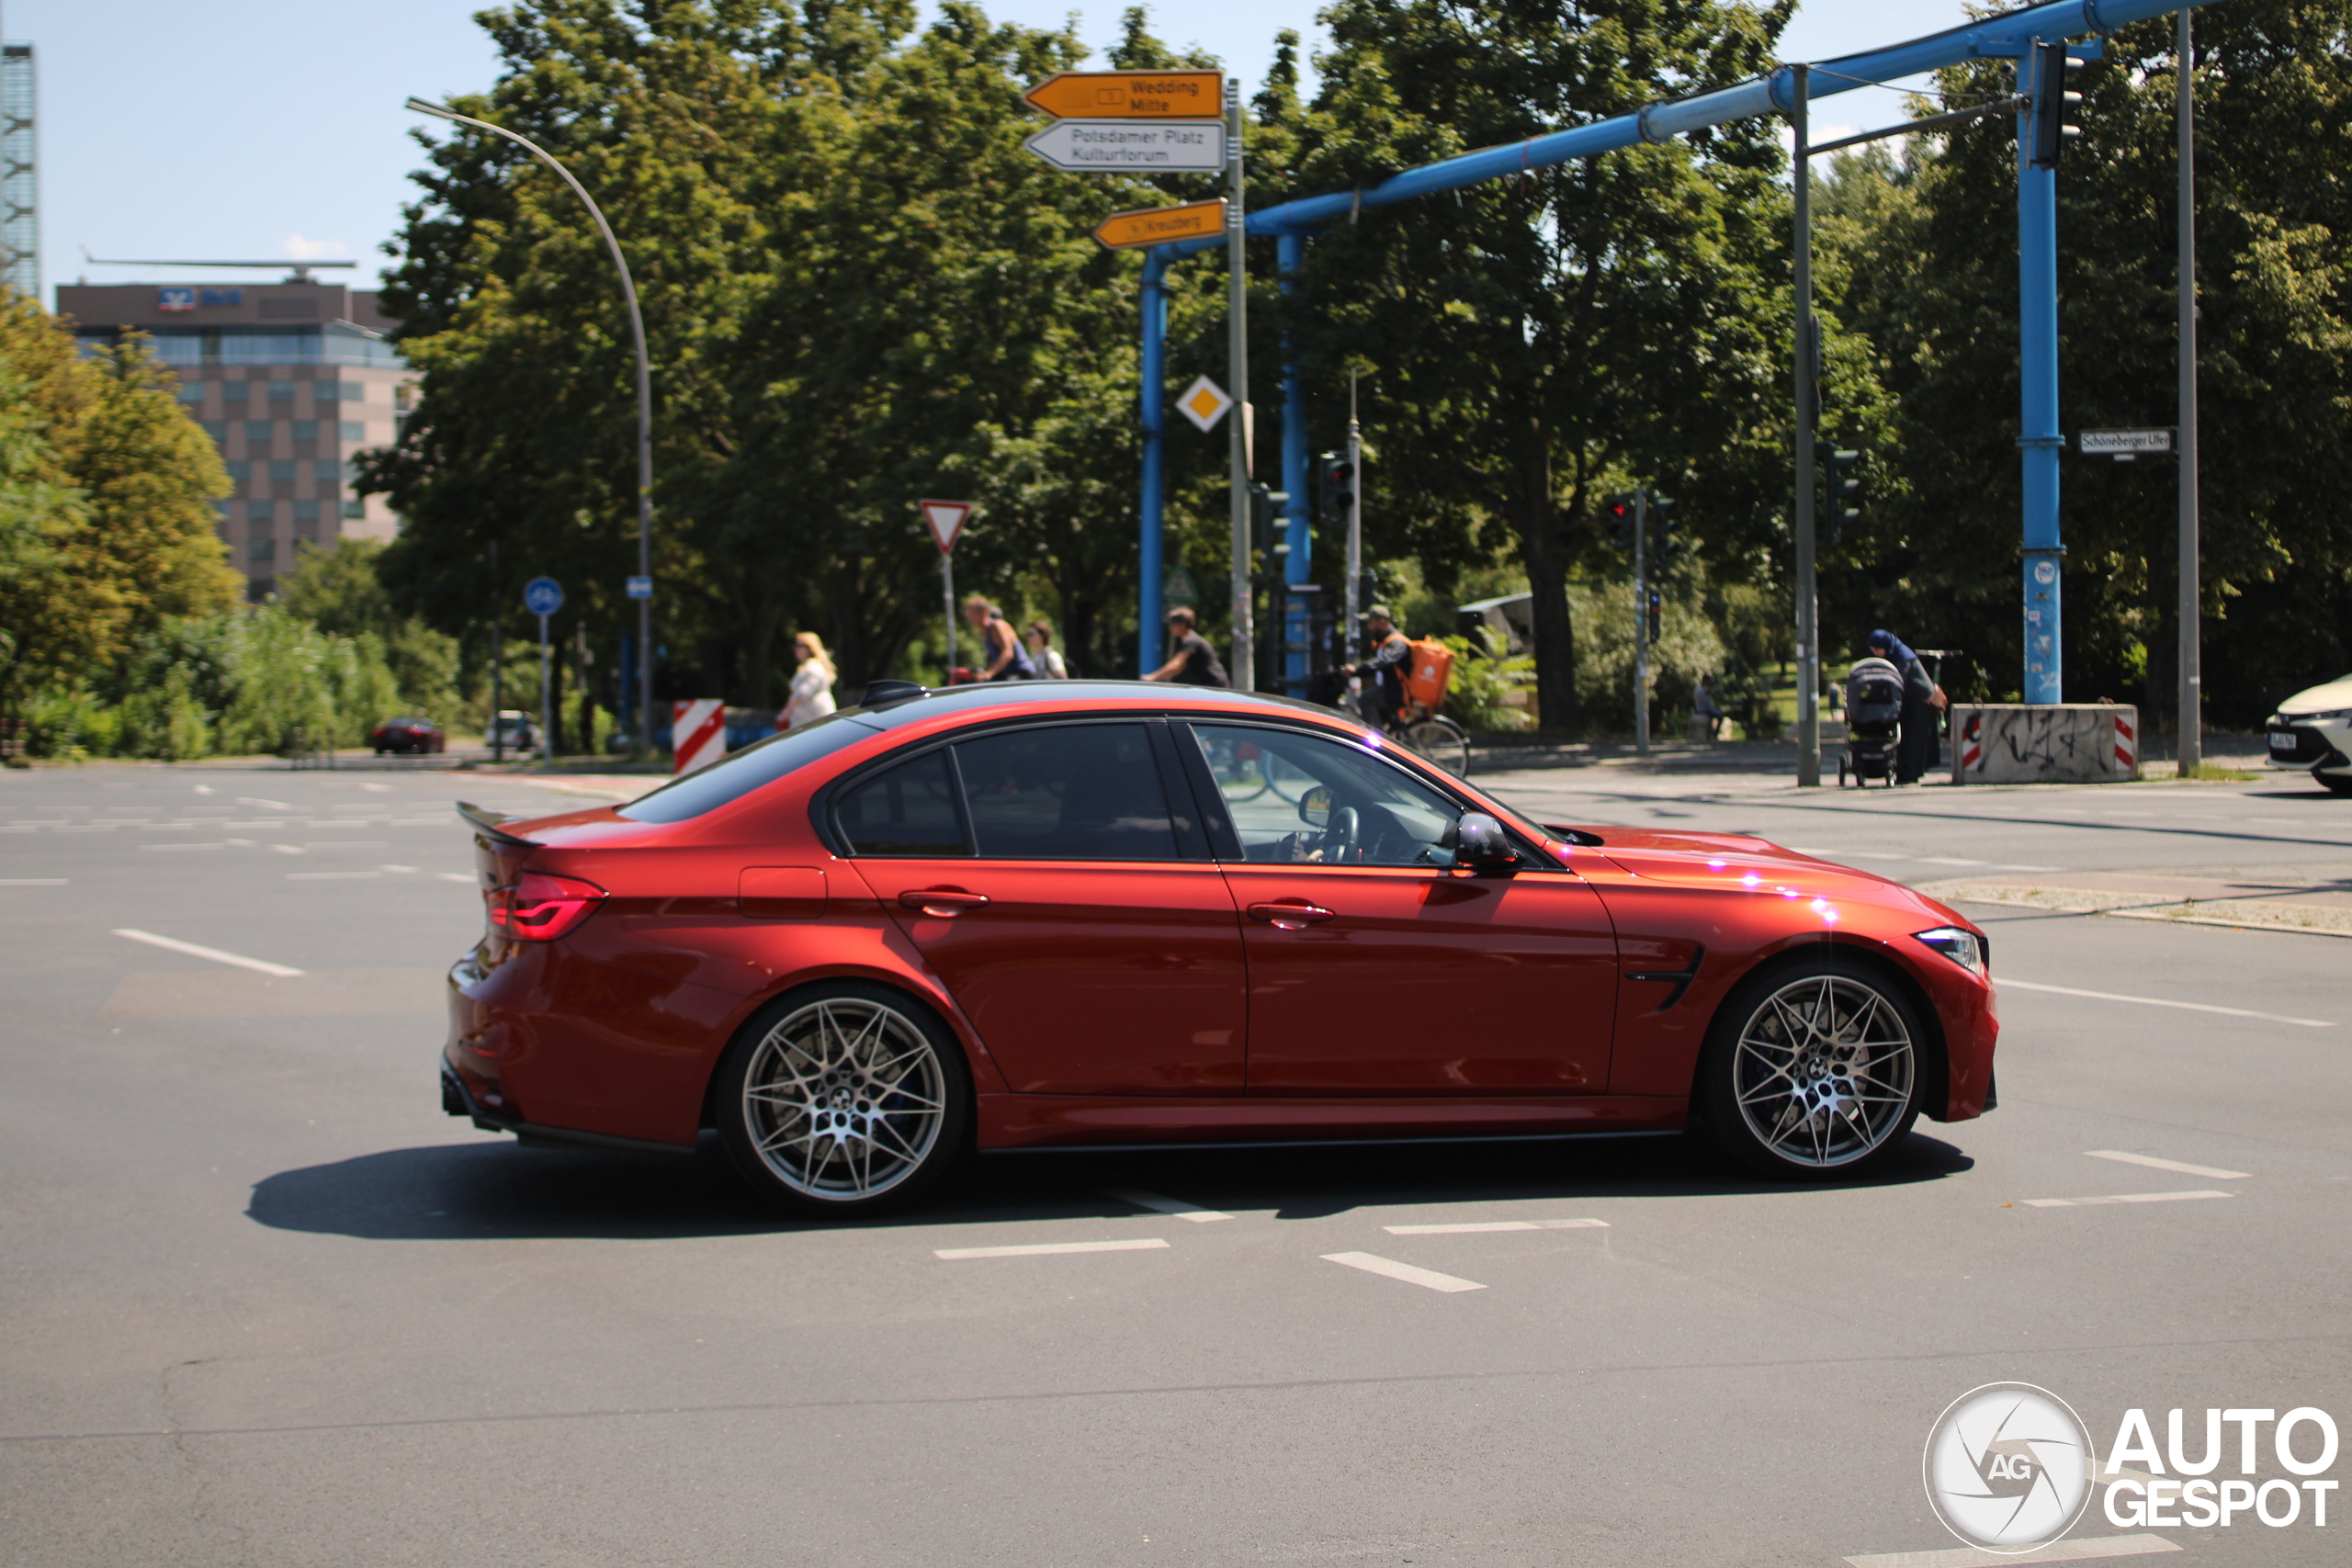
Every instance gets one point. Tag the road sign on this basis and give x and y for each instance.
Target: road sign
(945, 520)
(1158, 225)
(1178, 587)
(1204, 403)
(640, 588)
(2124, 444)
(1129, 147)
(1130, 94)
(543, 596)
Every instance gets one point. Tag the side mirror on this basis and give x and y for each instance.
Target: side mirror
(1480, 843)
(1315, 806)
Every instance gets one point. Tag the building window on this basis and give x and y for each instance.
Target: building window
(355, 430)
(332, 391)
(239, 471)
(326, 471)
(281, 391)
(216, 428)
(306, 430)
(192, 392)
(306, 511)
(281, 470)
(355, 509)
(257, 433)
(237, 391)
(260, 514)
(261, 549)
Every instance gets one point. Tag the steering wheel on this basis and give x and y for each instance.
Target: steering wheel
(1339, 837)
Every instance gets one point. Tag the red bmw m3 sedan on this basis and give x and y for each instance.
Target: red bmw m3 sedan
(1089, 913)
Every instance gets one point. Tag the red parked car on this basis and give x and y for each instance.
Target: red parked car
(417, 735)
(1089, 913)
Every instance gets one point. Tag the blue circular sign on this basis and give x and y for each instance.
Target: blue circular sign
(543, 595)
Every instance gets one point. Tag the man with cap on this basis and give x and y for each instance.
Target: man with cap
(1384, 673)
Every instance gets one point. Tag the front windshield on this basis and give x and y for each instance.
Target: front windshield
(737, 774)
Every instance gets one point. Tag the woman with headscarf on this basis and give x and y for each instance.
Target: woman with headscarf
(1922, 700)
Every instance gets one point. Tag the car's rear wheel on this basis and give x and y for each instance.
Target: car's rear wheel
(842, 1098)
(1813, 1068)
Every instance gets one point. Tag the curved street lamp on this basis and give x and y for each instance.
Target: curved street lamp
(644, 410)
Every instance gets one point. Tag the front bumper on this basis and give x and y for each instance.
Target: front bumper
(2314, 745)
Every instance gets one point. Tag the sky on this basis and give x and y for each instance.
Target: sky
(256, 129)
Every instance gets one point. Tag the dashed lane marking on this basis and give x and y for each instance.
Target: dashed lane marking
(290, 849)
(2122, 1198)
(1159, 1205)
(458, 877)
(2161, 1002)
(2084, 1548)
(409, 869)
(32, 882)
(173, 944)
(333, 875)
(1480, 1227)
(268, 805)
(159, 848)
(2176, 1166)
(1045, 1249)
(1388, 1268)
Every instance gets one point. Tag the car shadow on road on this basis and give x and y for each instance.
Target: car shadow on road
(501, 1191)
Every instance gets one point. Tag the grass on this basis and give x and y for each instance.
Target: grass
(2209, 773)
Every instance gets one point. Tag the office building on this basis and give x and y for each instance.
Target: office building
(292, 380)
(19, 173)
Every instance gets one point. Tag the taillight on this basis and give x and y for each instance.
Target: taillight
(541, 907)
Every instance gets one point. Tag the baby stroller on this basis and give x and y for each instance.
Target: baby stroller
(1873, 722)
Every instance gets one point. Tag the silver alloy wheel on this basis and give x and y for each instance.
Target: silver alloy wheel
(1823, 1071)
(845, 1099)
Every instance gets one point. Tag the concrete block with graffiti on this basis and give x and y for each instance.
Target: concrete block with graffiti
(2052, 743)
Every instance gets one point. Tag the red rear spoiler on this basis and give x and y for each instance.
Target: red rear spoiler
(482, 820)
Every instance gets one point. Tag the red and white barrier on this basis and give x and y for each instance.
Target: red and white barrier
(2126, 741)
(697, 733)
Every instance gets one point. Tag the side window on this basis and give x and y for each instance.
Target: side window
(1067, 792)
(906, 810)
(1299, 798)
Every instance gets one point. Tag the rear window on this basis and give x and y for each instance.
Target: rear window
(739, 772)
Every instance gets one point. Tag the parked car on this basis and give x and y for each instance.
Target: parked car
(2313, 730)
(513, 730)
(409, 736)
(1085, 913)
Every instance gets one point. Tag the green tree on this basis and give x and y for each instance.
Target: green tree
(340, 590)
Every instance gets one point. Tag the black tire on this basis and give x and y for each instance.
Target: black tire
(801, 1076)
(1776, 1097)
(2331, 783)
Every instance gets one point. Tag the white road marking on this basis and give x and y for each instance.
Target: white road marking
(333, 875)
(193, 951)
(272, 804)
(2153, 1163)
(2122, 1198)
(32, 882)
(2083, 1549)
(203, 789)
(406, 868)
(1159, 1205)
(1388, 1268)
(386, 788)
(343, 844)
(458, 877)
(2161, 1002)
(161, 846)
(1947, 860)
(290, 849)
(1479, 1227)
(1044, 1248)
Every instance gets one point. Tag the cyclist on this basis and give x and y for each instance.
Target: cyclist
(1383, 673)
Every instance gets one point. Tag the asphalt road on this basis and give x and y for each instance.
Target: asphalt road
(262, 1303)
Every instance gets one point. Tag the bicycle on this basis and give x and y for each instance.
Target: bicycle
(1436, 737)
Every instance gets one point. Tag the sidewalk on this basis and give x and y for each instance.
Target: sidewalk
(2316, 898)
(1491, 755)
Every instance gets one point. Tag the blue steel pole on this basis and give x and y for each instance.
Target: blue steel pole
(2038, 386)
(1291, 252)
(1149, 635)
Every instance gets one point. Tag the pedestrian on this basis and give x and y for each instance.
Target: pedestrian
(1043, 654)
(1919, 749)
(1192, 661)
(1710, 710)
(1008, 660)
(1383, 674)
(813, 682)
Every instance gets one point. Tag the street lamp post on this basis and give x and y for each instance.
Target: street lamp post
(644, 408)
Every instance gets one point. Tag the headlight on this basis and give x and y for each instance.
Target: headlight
(2327, 718)
(1963, 948)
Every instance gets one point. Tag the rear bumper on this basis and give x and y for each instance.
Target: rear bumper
(457, 1100)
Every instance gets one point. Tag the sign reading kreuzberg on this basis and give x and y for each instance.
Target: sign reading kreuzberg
(1129, 147)
(1158, 225)
(1130, 94)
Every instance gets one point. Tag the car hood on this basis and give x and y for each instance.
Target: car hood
(1738, 861)
(2335, 693)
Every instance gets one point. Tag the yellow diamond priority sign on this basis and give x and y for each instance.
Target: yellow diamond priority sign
(1204, 403)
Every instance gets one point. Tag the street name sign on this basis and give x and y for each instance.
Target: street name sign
(945, 520)
(1127, 147)
(1204, 403)
(640, 588)
(1158, 225)
(543, 596)
(1130, 94)
(2124, 444)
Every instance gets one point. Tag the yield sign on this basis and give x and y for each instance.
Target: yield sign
(945, 519)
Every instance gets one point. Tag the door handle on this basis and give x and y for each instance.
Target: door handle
(946, 902)
(1292, 917)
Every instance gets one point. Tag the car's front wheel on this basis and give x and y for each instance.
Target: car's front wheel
(842, 1098)
(1813, 1069)
(2337, 783)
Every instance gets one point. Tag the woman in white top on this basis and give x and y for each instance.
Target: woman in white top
(813, 682)
(1043, 654)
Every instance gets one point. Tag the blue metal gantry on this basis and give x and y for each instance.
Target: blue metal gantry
(2008, 37)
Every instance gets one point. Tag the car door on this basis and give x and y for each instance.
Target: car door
(1077, 921)
(1373, 968)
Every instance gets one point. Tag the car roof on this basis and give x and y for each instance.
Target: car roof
(939, 702)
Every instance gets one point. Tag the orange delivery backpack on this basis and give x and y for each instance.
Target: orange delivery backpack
(1426, 675)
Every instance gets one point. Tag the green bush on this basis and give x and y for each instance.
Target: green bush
(1483, 676)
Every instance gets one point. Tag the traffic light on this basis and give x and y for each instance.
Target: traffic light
(1665, 549)
(1658, 617)
(1619, 510)
(2053, 103)
(1338, 477)
(1837, 466)
(1267, 535)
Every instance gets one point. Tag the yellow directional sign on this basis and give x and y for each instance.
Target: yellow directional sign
(1130, 94)
(1158, 225)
